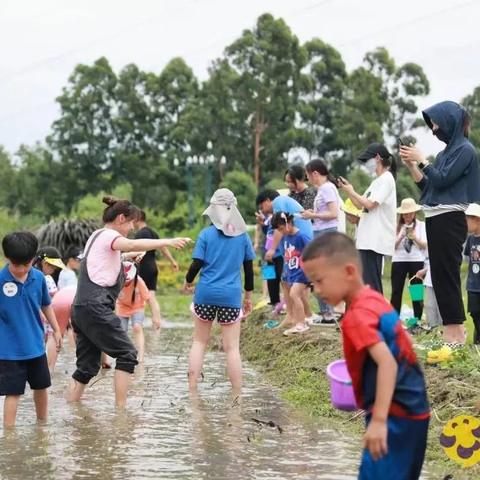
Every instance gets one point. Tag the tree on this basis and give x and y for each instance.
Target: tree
(243, 186)
(472, 104)
(268, 60)
(7, 177)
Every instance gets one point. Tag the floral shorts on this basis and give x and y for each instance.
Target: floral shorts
(224, 315)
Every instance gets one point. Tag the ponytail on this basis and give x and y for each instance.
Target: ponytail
(116, 207)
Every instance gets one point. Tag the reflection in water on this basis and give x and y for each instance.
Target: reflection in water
(167, 433)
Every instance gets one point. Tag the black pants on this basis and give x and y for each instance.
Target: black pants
(372, 269)
(98, 330)
(446, 234)
(476, 322)
(400, 270)
(274, 284)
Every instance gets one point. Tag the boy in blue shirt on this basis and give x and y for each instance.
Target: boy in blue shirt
(23, 293)
(386, 378)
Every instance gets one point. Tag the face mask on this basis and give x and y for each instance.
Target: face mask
(371, 166)
(441, 135)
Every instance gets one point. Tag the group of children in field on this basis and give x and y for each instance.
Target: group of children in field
(386, 377)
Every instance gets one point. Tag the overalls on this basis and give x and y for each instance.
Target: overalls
(96, 326)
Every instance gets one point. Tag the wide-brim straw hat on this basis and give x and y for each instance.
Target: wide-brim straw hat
(408, 205)
(224, 214)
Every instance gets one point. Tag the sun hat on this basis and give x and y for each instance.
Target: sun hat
(349, 208)
(224, 214)
(473, 210)
(52, 256)
(408, 205)
(372, 150)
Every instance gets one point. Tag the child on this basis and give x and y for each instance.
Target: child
(220, 252)
(131, 306)
(68, 276)
(472, 251)
(386, 378)
(48, 261)
(23, 294)
(94, 322)
(297, 283)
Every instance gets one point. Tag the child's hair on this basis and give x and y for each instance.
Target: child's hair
(401, 222)
(266, 195)
(318, 165)
(118, 207)
(296, 173)
(20, 247)
(142, 216)
(72, 252)
(335, 246)
(135, 281)
(281, 218)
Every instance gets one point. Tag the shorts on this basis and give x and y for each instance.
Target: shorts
(296, 276)
(473, 302)
(136, 318)
(14, 375)
(407, 442)
(149, 273)
(224, 315)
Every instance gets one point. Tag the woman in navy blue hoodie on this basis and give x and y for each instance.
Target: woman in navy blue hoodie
(448, 185)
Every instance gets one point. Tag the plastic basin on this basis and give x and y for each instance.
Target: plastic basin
(341, 390)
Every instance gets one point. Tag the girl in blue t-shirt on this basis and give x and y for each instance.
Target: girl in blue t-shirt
(294, 241)
(220, 252)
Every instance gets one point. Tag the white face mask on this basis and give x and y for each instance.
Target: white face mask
(371, 167)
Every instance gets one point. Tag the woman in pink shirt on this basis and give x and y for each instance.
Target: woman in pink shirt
(98, 329)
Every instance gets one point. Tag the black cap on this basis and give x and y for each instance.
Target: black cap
(374, 149)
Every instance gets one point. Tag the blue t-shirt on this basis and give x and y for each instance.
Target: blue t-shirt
(220, 277)
(472, 251)
(21, 327)
(293, 246)
(291, 206)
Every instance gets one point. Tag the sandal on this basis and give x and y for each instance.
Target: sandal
(299, 328)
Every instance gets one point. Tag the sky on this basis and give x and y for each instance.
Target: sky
(42, 42)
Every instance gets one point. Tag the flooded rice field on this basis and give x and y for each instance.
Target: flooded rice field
(168, 434)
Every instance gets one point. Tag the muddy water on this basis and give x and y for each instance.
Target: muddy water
(167, 434)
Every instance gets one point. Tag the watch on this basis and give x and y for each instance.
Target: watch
(422, 165)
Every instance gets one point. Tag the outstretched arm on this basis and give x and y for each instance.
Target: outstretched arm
(144, 244)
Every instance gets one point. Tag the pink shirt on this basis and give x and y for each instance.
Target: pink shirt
(103, 263)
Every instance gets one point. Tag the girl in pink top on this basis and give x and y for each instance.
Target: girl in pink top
(98, 329)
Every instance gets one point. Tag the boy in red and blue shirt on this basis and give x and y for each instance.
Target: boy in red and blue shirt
(386, 378)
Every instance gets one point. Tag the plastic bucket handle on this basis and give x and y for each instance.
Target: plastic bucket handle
(415, 289)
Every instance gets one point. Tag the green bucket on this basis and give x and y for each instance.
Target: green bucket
(416, 290)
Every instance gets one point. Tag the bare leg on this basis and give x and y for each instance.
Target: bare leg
(40, 398)
(52, 353)
(122, 382)
(306, 302)
(155, 309)
(288, 321)
(139, 341)
(74, 391)
(231, 347)
(297, 294)
(201, 335)
(10, 410)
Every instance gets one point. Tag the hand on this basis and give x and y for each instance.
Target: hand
(139, 257)
(353, 219)
(375, 438)
(179, 242)
(188, 288)
(421, 273)
(411, 155)
(247, 306)
(345, 185)
(255, 246)
(175, 266)
(260, 217)
(58, 340)
(307, 214)
(269, 255)
(156, 321)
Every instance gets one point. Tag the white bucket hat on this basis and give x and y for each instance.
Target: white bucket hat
(473, 210)
(408, 205)
(224, 214)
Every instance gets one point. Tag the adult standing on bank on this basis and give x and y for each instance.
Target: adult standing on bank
(295, 180)
(148, 270)
(448, 186)
(376, 227)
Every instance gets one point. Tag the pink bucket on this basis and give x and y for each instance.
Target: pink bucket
(341, 390)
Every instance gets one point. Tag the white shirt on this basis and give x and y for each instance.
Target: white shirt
(67, 278)
(416, 254)
(376, 228)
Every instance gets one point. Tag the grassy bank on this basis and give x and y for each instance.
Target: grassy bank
(297, 365)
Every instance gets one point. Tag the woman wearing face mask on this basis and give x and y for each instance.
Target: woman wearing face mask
(448, 186)
(376, 227)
